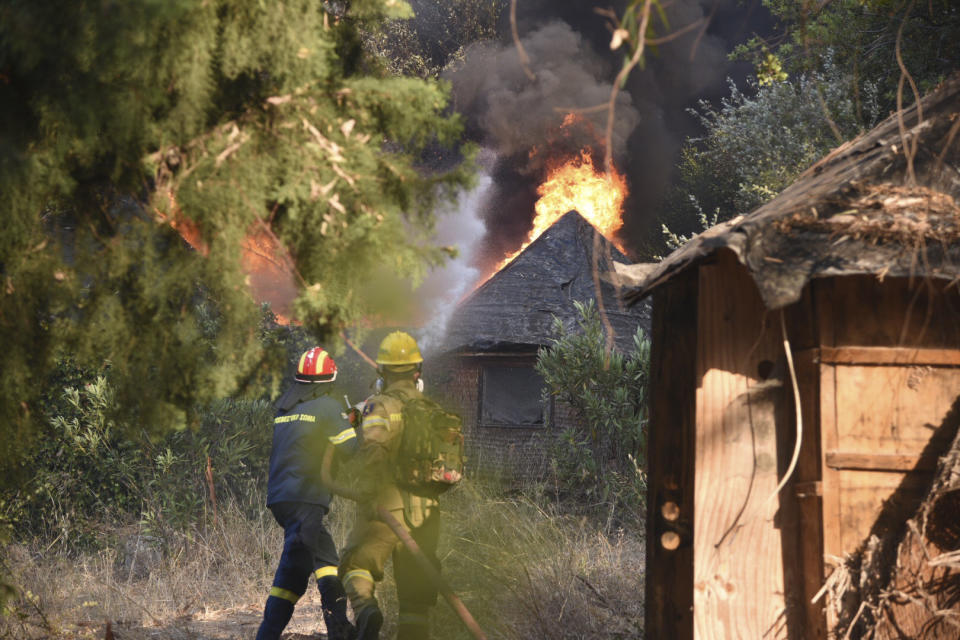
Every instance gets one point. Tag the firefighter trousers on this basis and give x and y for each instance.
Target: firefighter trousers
(307, 548)
(370, 544)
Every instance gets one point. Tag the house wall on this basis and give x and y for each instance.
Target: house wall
(878, 375)
(880, 387)
(670, 457)
(738, 573)
(499, 454)
(721, 543)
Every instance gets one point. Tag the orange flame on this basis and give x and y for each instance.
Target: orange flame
(269, 274)
(578, 185)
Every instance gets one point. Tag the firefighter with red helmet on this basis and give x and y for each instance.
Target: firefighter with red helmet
(372, 541)
(308, 419)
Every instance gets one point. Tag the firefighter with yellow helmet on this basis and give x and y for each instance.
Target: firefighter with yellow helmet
(372, 541)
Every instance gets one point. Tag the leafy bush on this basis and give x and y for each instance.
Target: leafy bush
(88, 473)
(598, 464)
(759, 141)
(84, 473)
(235, 436)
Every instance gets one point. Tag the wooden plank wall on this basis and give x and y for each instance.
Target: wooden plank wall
(803, 540)
(670, 451)
(889, 362)
(738, 566)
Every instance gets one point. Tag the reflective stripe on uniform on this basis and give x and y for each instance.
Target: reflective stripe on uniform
(375, 422)
(343, 436)
(396, 418)
(279, 592)
(358, 573)
(413, 618)
(324, 572)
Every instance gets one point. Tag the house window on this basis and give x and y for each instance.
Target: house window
(511, 397)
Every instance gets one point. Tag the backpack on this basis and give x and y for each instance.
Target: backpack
(430, 457)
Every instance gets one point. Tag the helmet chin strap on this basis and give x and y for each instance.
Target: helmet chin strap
(381, 383)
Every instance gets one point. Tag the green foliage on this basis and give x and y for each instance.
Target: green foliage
(833, 74)
(675, 241)
(84, 473)
(860, 37)
(770, 70)
(89, 473)
(599, 463)
(236, 436)
(121, 122)
(756, 145)
(437, 37)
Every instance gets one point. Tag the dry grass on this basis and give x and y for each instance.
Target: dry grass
(523, 571)
(526, 572)
(218, 573)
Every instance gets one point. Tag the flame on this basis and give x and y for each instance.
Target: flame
(269, 273)
(577, 184)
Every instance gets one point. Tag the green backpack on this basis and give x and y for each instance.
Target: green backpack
(430, 458)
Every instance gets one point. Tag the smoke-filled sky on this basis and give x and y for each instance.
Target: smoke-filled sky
(568, 46)
(515, 118)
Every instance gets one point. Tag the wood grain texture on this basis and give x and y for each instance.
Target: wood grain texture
(738, 572)
(809, 495)
(879, 461)
(890, 356)
(906, 406)
(897, 312)
(670, 458)
(824, 296)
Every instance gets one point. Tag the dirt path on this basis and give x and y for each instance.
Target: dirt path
(224, 624)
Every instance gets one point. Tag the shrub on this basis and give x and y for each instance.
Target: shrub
(759, 141)
(597, 465)
(88, 473)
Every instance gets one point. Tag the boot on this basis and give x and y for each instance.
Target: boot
(334, 600)
(369, 621)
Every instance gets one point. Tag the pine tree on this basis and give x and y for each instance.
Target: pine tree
(128, 126)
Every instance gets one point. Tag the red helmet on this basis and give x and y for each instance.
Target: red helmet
(316, 365)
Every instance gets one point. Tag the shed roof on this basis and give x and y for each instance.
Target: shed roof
(866, 208)
(515, 308)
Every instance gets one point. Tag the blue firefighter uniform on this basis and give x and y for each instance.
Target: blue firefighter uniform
(304, 425)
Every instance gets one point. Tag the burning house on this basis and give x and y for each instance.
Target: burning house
(804, 458)
(493, 337)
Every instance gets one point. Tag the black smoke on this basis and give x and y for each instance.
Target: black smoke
(573, 67)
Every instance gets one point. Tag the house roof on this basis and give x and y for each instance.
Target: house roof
(515, 308)
(863, 209)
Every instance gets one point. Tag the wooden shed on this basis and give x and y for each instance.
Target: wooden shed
(815, 341)
(487, 369)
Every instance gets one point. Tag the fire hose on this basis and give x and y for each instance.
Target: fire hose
(425, 565)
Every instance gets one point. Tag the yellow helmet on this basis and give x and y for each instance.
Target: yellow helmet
(398, 348)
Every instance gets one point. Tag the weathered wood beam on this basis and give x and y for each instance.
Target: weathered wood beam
(903, 356)
(880, 461)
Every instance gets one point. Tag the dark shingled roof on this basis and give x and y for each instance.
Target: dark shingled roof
(857, 211)
(514, 309)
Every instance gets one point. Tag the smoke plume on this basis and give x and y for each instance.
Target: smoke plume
(573, 68)
(515, 114)
(444, 288)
